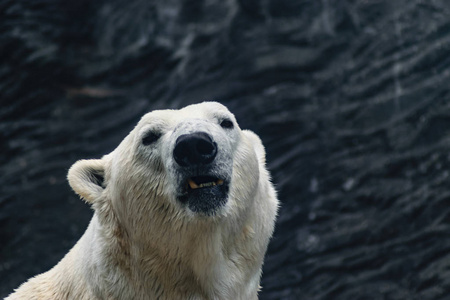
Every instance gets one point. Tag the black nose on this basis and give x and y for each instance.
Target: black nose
(194, 149)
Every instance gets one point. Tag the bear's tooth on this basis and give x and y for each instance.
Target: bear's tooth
(207, 184)
(192, 184)
(219, 182)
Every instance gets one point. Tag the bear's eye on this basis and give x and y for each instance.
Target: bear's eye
(150, 138)
(227, 123)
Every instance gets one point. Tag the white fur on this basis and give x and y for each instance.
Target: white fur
(142, 243)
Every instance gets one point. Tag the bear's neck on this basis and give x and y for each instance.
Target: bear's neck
(205, 263)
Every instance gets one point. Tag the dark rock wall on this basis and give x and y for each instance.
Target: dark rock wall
(351, 99)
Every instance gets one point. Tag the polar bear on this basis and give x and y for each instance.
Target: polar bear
(183, 209)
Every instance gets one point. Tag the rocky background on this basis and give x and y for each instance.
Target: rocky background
(351, 99)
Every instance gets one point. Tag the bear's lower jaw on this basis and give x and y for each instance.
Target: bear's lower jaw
(206, 200)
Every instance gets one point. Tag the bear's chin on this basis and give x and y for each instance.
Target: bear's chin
(206, 200)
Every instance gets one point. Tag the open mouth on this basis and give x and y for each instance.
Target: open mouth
(204, 194)
(199, 182)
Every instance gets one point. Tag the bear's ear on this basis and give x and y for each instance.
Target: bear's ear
(86, 177)
(257, 145)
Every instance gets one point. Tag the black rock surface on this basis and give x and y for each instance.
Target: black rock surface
(351, 99)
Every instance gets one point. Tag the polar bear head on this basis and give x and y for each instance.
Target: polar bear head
(175, 169)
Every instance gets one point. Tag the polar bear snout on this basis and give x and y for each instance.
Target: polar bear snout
(194, 149)
(203, 181)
